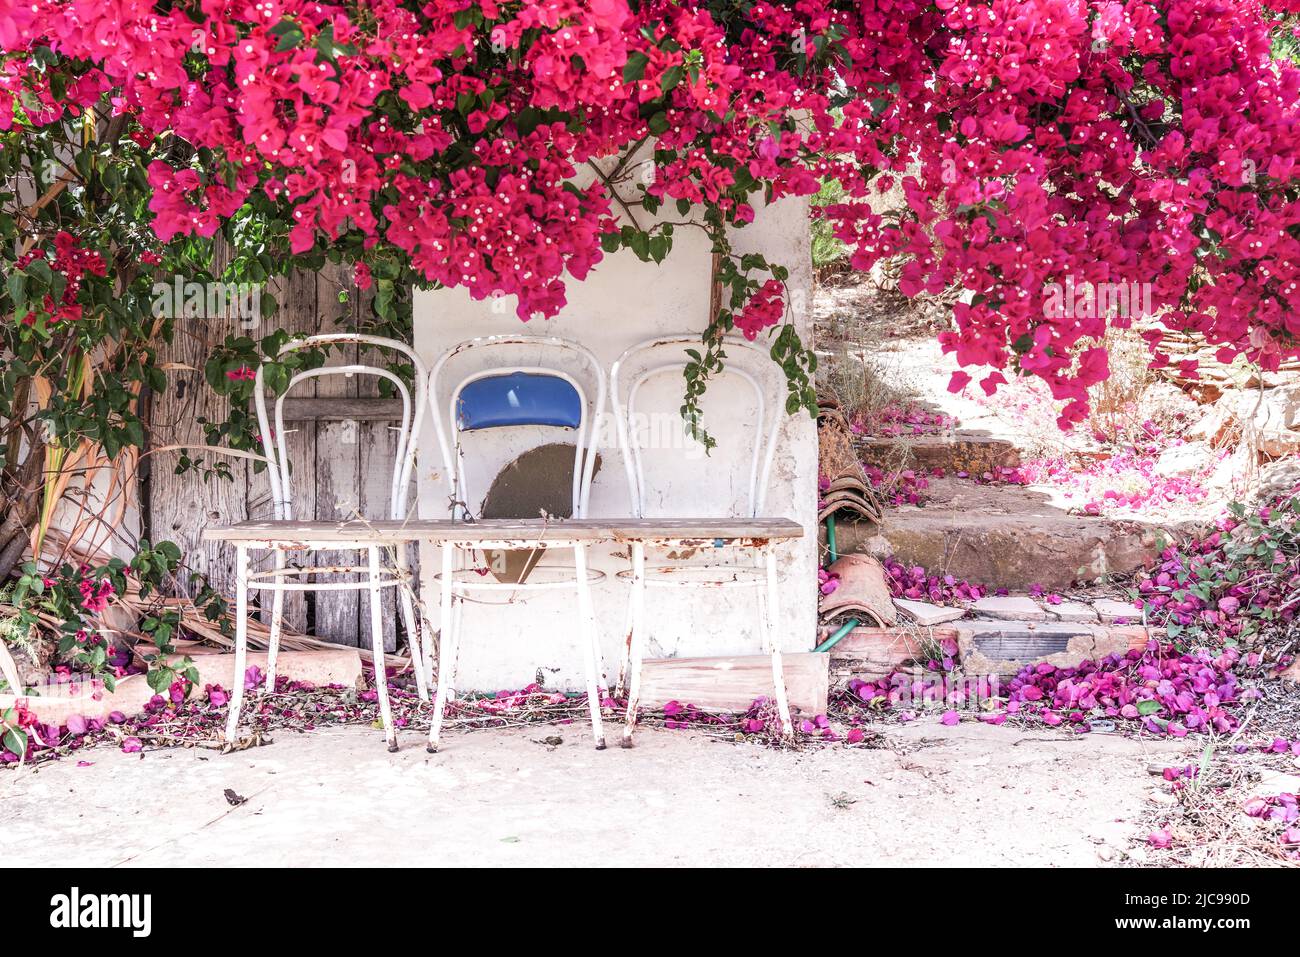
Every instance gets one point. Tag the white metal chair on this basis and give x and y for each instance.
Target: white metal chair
(750, 364)
(535, 393)
(372, 576)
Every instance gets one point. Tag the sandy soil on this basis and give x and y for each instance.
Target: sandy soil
(971, 794)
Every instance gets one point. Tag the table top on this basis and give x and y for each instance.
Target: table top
(706, 530)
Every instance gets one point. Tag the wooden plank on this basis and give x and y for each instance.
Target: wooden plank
(337, 467)
(176, 508)
(339, 409)
(732, 683)
(566, 530)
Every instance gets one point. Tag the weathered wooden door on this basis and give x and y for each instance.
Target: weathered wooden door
(341, 450)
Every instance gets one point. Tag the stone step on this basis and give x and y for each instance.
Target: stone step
(984, 646)
(960, 451)
(1009, 537)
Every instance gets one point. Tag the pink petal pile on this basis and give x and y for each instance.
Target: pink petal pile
(904, 487)
(914, 582)
(1280, 809)
(1167, 692)
(1156, 688)
(1125, 481)
(1236, 582)
(892, 421)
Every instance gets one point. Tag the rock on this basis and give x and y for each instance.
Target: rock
(1190, 458)
(1112, 611)
(877, 546)
(1074, 611)
(1009, 608)
(1277, 782)
(1211, 426)
(1275, 413)
(927, 614)
(1006, 536)
(1276, 479)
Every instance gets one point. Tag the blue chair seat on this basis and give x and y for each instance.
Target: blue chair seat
(519, 398)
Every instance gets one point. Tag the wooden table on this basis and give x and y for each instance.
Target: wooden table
(508, 533)
(450, 537)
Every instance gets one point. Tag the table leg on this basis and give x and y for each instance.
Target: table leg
(377, 646)
(771, 615)
(241, 643)
(277, 622)
(446, 653)
(587, 625)
(636, 640)
(414, 625)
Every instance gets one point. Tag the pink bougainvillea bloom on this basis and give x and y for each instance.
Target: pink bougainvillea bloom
(950, 718)
(855, 736)
(1161, 838)
(131, 745)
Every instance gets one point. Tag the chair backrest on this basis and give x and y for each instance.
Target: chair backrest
(746, 362)
(538, 392)
(273, 439)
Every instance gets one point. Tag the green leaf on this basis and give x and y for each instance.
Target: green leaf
(15, 741)
(634, 69)
(40, 269)
(290, 34)
(1146, 708)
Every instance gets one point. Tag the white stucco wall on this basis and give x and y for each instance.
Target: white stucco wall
(625, 301)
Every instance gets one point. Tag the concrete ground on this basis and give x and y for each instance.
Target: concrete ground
(971, 794)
